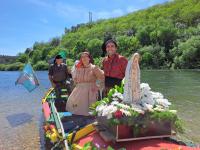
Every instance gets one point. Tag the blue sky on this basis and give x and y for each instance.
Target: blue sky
(23, 22)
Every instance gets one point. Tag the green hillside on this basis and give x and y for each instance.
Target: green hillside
(167, 36)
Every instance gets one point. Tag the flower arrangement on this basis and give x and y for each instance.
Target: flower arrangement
(152, 106)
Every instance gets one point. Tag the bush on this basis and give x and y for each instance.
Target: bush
(70, 62)
(94, 47)
(23, 58)
(98, 61)
(14, 66)
(2, 67)
(41, 65)
(187, 54)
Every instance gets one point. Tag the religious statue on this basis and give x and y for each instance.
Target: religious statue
(132, 80)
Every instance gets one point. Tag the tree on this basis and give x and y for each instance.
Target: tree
(55, 42)
(79, 47)
(188, 55)
(127, 45)
(143, 34)
(94, 47)
(22, 57)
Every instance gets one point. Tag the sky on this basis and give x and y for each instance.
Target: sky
(23, 22)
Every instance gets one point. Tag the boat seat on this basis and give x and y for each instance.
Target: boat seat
(76, 122)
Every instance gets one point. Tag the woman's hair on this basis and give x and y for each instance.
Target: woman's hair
(80, 64)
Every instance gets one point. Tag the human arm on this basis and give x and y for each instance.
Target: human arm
(51, 80)
(100, 77)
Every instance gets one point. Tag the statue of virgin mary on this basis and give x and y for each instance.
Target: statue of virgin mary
(132, 80)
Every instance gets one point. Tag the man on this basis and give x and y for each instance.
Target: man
(114, 65)
(58, 75)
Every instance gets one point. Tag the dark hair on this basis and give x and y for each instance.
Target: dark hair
(57, 57)
(111, 41)
(103, 47)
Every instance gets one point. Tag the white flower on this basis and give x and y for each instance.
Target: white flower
(115, 99)
(126, 112)
(149, 100)
(100, 109)
(137, 108)
(163, 102)
(107, 111)
(147, 107)
(159, 109)
(145, 87)
(157, 95)
(123, 106)
(114, 102)
(117, 95)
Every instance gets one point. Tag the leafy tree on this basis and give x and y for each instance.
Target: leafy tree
(41, 65)
(188, 53)
(22, 57)
(94, 47)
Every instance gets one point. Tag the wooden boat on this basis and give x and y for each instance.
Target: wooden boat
(67, 131)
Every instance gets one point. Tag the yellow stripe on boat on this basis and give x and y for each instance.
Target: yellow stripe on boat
(47, 94)
(82, 132)
(76, 147)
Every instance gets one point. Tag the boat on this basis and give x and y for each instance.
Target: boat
(64, 130)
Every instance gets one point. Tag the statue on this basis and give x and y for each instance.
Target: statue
(132, 80)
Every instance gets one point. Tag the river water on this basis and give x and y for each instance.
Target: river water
(21, 113)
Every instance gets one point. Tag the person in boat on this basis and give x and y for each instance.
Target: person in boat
(58, 76)
(114, 65)
(86, 91)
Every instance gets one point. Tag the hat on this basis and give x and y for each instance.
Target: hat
(58, 57)
(103, 47)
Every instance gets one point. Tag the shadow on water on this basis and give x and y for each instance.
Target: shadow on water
(19, 119)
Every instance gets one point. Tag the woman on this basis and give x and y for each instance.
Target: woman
(86, 91)
(132, 80)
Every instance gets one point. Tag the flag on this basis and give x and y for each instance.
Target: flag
(28, 78)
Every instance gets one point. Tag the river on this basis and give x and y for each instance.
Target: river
(21, 113)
